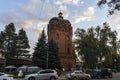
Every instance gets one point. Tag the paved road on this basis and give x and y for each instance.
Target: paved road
(116, 76)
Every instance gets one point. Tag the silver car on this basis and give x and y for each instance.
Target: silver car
(42, 74)
(4, 76)
(78, 75)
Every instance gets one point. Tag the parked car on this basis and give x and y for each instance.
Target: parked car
(4, 76)
(102, 73)
(76, 75)
(42, 74)
(114, 70)
(95, 74)
(28, 69)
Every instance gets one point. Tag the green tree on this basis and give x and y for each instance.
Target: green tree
(2, 38)
(40, 51)
(8, 39)
(12, 44)
(22, 43)
(53, 57)
(114, 5)
(74, 52)
(107, 44)
(87, 46)
(98, 43)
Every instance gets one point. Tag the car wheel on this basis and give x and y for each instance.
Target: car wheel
(110, 76)
(31, 78)
(87, 78)
(98, 77)
(53, 78)
(74, 78)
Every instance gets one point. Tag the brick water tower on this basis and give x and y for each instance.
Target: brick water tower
(60, 30)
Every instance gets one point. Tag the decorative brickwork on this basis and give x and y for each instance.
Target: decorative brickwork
(60, 30)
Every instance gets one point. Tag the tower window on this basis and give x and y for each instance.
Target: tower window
(68, 38)
(68, 50)
(57, 36)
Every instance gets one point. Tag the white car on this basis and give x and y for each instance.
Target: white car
(42, 75)
(78, 75)
(4, 76)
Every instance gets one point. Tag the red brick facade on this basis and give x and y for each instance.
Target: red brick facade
(60, 30)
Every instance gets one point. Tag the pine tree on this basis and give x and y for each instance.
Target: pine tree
(2, 38)
(40, 51)
(53, 57)
(22, 43)
(8, 45)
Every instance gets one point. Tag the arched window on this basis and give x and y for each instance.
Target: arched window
(57, 36)
(68, 38)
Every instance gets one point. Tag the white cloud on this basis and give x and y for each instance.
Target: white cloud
(89, 12)
(58, 2)
(86, 15)
(74, 2)
(63, 1)
(115, 18)
(116, 27)
(25, 23)
(30, 15)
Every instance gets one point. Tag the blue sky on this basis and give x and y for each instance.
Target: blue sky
(33, 15)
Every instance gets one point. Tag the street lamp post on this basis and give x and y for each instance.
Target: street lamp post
(115, 63)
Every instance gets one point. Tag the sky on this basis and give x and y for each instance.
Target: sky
(34, 15)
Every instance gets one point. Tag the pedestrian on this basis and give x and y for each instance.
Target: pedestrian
(20, 73)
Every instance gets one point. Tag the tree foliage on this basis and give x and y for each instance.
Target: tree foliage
(40, 51)
(53, 57)
(9, 42)
(96, 45)
(22, 43)
(114, 5)
(45, 54)
(8, 38)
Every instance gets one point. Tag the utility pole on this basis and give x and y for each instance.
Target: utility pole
(47, 56)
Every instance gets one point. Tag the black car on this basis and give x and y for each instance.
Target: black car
(95, 74)
(101, 73)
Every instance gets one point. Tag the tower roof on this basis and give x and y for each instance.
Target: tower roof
(59, 18)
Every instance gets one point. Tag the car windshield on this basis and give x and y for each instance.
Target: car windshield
(97, 70)
(78, 72)
(1, 74)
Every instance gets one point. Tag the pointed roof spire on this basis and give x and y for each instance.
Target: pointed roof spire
(60, 15)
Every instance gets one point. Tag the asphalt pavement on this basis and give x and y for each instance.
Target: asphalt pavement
(116, 76)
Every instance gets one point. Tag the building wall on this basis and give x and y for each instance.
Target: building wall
(60, 30)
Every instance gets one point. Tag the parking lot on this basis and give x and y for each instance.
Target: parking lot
(116, 76)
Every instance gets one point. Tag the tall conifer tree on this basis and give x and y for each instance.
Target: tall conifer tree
(13, 44)
(40, 51)
(53, 57)
(8, 45)
(22, 43)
